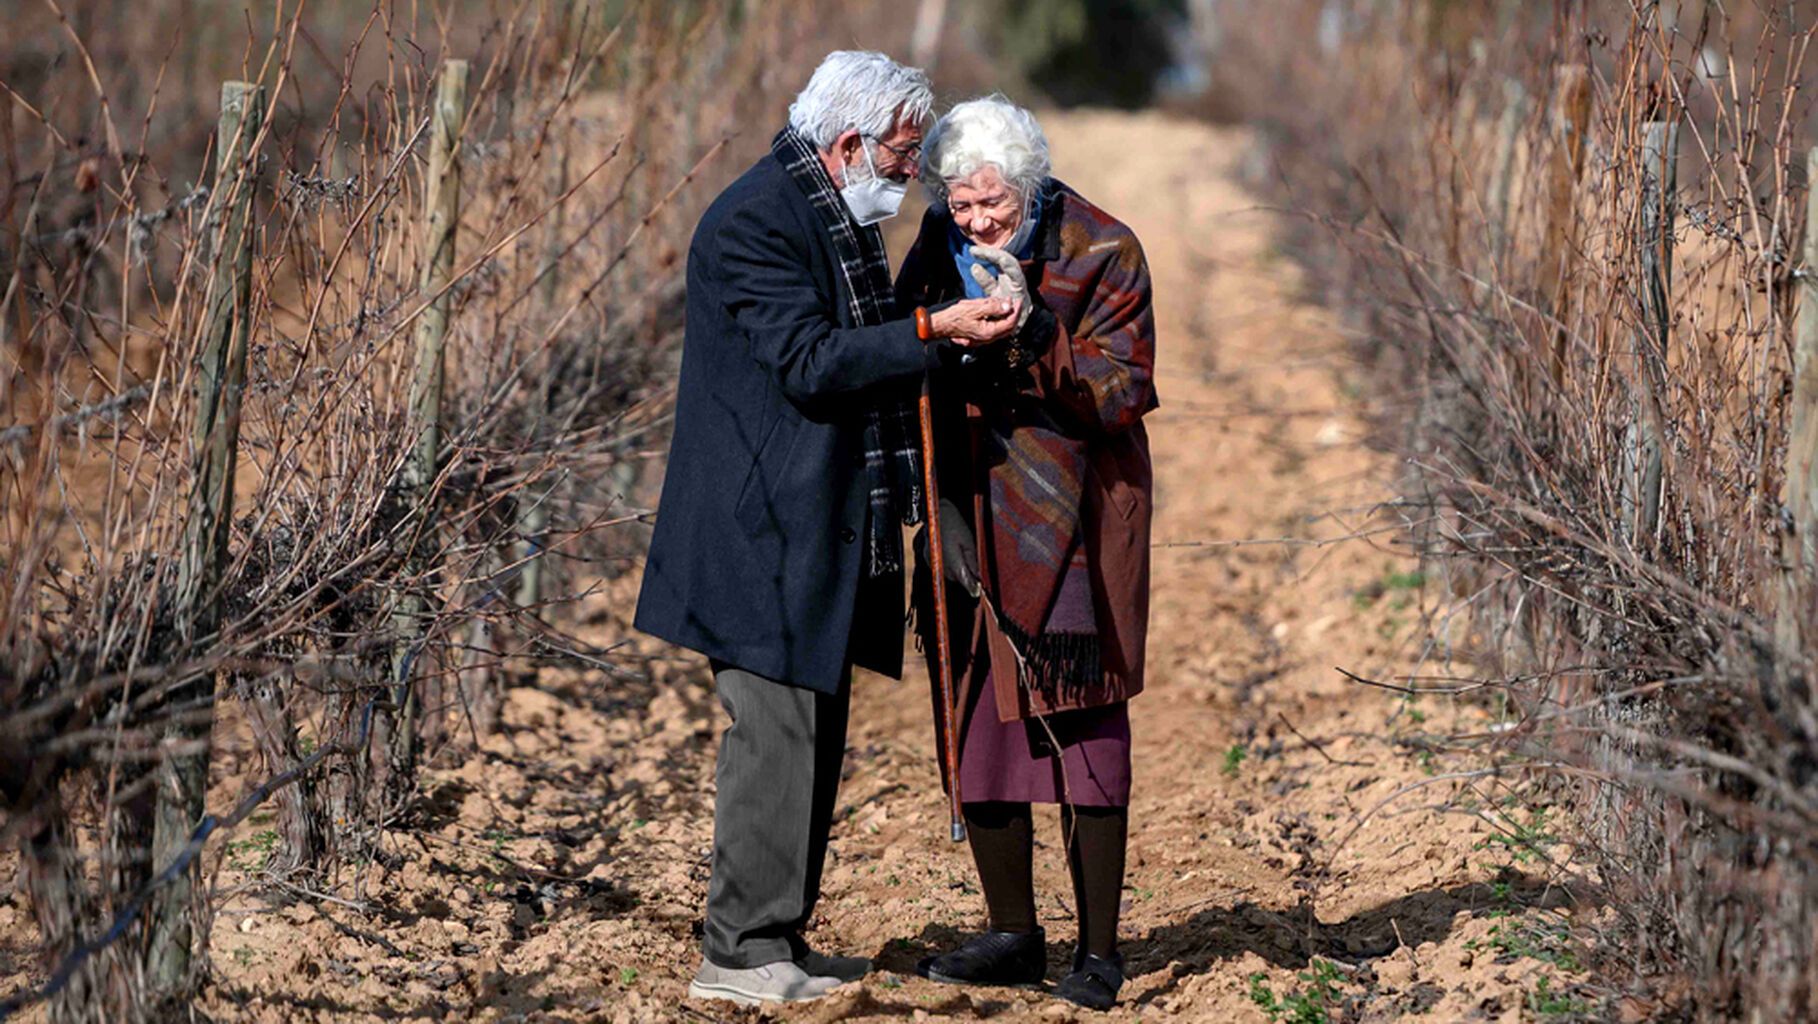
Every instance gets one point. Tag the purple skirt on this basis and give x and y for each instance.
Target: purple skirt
(1016, 761)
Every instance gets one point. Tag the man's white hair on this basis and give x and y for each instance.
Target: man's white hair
(989, 131)
(863, 90)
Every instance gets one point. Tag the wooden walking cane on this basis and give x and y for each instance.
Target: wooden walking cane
(943, 651)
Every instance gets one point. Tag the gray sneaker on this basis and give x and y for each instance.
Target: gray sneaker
(843, 968)
(781, 982)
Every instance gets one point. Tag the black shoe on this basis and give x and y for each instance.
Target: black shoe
(1094, 982)
(994, 958)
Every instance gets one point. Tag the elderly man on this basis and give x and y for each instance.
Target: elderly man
(795, 463)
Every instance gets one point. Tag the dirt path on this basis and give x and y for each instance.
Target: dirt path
(559, 873)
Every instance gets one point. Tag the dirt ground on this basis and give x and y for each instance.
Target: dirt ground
(560, 871)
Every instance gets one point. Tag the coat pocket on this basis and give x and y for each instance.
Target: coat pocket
(758, 507)
(1122, 475)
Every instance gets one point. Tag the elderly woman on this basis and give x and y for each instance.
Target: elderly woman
(1045, 482)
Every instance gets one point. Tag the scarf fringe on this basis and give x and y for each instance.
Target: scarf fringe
(912, 623)
(1060, 666)
(1057, 666)
(881, 559)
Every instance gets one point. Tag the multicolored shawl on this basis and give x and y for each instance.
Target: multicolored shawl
(1084, 376)
(893, 453)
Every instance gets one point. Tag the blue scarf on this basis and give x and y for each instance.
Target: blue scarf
(961, 248)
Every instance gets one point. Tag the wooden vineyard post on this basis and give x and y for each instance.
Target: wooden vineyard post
(1645, 446)
(536, 516)
(1799, 555)
(220, 381)
(1515, 102)
(1571, 120)
(441, 216)
(925, 42)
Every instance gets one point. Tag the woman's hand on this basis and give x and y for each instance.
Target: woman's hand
(976, 322)
(959, 551)
(1009, 284)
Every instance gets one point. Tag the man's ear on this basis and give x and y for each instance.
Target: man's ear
(847, 144)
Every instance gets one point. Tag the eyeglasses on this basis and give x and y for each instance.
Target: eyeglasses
(911, 155)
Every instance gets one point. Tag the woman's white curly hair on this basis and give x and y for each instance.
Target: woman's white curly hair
(989, 131)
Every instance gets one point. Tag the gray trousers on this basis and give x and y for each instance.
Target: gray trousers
(777, 777)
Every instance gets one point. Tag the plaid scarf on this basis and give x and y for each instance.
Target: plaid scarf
(893, 453)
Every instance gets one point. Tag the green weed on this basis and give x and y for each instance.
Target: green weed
(1524, 841)
(1405, 580)
(1234, 757)
(1311, 1005)
(1514, 939)
(253, 852)
(1545, 1003)
(1401, 584)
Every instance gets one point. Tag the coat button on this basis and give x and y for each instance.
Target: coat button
(847, 535)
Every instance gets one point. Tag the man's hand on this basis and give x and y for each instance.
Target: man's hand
(1009, 284)
(975, 322)
(959, 551)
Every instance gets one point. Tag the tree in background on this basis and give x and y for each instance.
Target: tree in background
(1089, 52)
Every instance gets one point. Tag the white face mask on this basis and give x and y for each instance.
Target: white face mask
(874, 197)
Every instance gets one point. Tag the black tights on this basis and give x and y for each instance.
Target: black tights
(1002, 835)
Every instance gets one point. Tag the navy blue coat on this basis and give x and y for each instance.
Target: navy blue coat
(758, 549)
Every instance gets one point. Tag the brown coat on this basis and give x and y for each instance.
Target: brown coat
(1076, 400)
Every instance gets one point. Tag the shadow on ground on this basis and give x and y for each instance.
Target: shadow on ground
(1290, 938)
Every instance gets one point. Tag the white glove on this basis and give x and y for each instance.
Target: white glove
(1009, 284)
